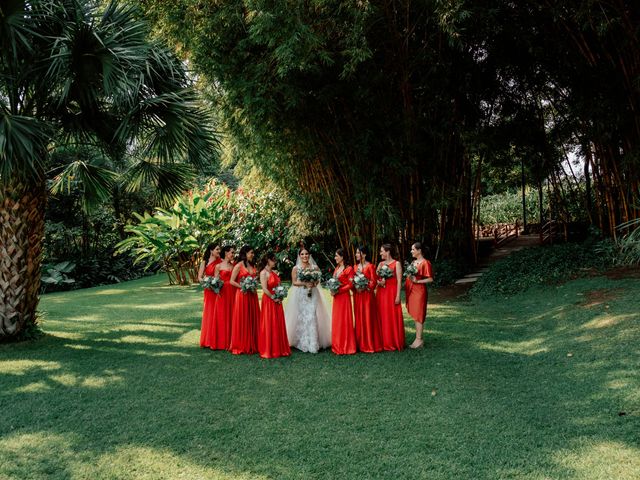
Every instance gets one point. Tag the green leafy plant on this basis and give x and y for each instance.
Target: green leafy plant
(57, 274)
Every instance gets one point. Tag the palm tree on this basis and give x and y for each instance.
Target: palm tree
(75, 75)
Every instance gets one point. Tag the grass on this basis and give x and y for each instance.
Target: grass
(530, 388)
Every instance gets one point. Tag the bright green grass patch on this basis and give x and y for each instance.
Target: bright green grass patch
(119, 389)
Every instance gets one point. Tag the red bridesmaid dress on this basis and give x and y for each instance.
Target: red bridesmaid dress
(210, 300)
(368, 330)
(244, 321)
(220, 331)
(390, 313)
(272, 337)
(343, 337)
(417, 292)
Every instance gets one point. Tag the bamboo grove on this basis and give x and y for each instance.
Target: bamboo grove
(382, 117)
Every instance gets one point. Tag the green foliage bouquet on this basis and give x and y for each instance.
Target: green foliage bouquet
(332, 284)
(360, 282)
(280, 292)
(249, 285)
(410, 270)
(214, 284)
(385, 272)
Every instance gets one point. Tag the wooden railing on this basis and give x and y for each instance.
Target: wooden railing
(501, 233)
(552, 231)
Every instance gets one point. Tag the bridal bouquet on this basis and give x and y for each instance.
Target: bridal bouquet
(333, 285)
(410, 270)
(385, 272)
(212, 283)
(280, 292)
(249, 285)
(360, 282)
(309, 275)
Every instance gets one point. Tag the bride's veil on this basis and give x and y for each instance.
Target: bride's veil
(322, 315)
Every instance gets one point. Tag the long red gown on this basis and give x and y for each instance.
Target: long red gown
(220, 331)
(368, 329)
(245, 318)
(210, 300)
(390, 313)
(417, 294)
(343, 337)
(272, 336)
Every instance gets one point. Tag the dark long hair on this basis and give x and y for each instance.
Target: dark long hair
(343, 254)
(243, 255)
(423, 249)
(265, 259)
(363, 251)
(224, 250)
(387, 248)
(207, 251)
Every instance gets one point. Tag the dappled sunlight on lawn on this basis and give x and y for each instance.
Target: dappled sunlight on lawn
(600, 459)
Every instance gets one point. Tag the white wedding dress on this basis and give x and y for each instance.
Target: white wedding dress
(307, 320)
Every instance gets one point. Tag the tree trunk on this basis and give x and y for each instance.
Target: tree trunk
(21, 239)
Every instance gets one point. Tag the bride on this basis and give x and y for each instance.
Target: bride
(308, 323)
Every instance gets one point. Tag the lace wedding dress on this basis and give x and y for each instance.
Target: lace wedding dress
(308, 323)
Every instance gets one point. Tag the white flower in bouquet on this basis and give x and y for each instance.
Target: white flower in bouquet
(385, 272)
(280, 292)
(360, 282)
(309, 275)
(249, 285)
(212, 283)
(410, 270)
(332, 284)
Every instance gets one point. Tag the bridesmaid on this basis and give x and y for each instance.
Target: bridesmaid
(220, 331)
(211, 259)
(368, 330)
(272, 337)
(388, 300)
(343, 338)
(246, 308)
(416, 292)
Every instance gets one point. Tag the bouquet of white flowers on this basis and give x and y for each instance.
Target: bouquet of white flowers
(249, 285)
(360, 282)
(280, 292)
(332, 284)
(212, 283)
(410, 270)
(385, 272)
(309, 275)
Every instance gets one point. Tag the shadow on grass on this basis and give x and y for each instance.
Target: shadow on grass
(493, 395)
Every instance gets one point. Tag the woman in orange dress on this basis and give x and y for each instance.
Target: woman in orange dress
(368, 331)
(415, 288)
(388, 301)
(246, 308)
(343, 337)
(208, 265)
(219, 335)
(272, 335)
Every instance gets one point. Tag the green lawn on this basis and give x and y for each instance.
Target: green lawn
(529, 387)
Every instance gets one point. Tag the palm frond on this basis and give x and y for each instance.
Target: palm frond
(169, 180)
(23, 144)
(94, 182)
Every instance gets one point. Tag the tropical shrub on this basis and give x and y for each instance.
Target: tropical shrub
(540, 266)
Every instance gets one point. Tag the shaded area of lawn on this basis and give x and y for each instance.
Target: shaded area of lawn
(529, 387)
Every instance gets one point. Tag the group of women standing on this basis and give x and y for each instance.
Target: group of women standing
(365, 317)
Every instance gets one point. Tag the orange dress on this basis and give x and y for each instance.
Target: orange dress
(343, 337)
(368, 330)
(210, 300)
(220, 331)
(390, 313)
(272, 336)
(417, 294)
(245, 318)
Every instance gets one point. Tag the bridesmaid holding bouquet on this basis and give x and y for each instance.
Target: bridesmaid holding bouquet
(220, 332)
(246, 308)
(343, 338)
(211, 259)
(272, 335)
(388, 300)
(368, 330)
(416, 291)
